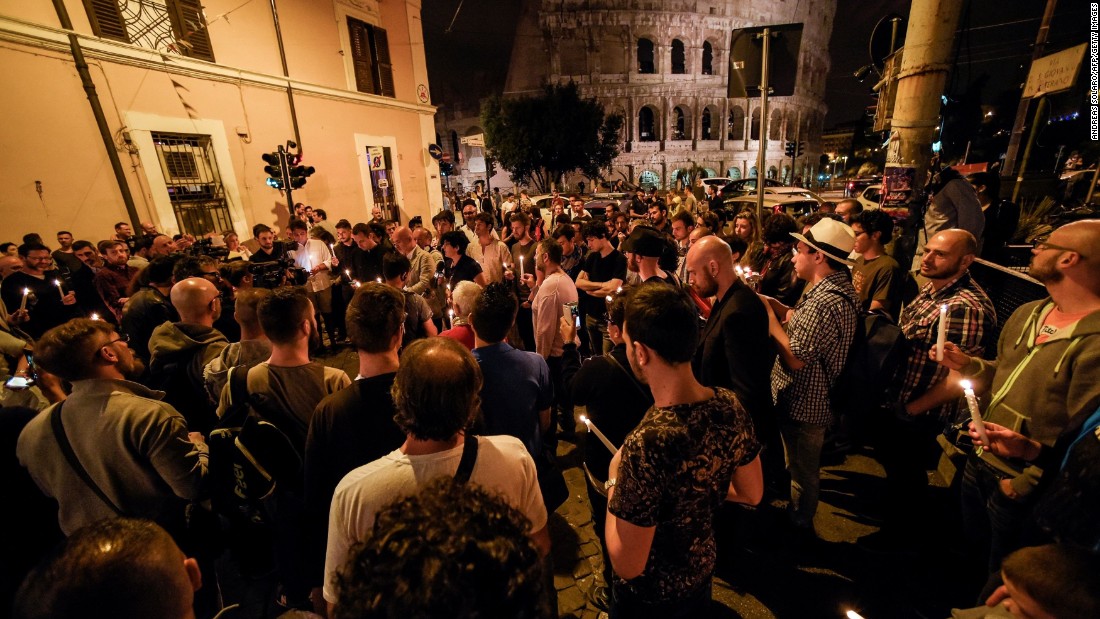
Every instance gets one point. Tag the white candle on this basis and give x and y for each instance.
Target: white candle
(740, 274)
(60, 290)
(450, 318)
(23, 304)
(853, 615)
(521, 268)
(603, 439)
(347, 272)
(941, 337)
(975, 414)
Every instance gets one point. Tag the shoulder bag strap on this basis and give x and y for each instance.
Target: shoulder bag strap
(615, 362)
(469, 456)
(70, 455)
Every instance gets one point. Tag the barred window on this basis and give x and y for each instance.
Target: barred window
(175, 26)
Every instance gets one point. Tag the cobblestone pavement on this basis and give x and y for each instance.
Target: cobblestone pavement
(763, 572)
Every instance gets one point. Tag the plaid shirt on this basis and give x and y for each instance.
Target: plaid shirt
(821, 332)
(971, 319)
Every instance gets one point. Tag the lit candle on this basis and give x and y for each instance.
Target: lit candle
(332, 247)
(521, 268)
(60, 290)
(610, 298)
(603, 439)
(356, 283)
(23, 304)
(740, 274)
(378, 279)
(94, 316)
(853, 615)
(619, 290)
(941, 337)
(975, 414)
(450, 318)
(348, 273)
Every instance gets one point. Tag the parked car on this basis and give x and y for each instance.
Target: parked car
(794, 206)
(746, 186)
(854, 186)
(871, 196)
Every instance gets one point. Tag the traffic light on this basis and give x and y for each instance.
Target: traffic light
(790, 149)
(274, 169)
(299, 173)
(798, 151)
(446, 168)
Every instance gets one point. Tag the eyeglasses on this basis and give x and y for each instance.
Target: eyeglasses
(1041, 244)
(122, 337)
(215, 275)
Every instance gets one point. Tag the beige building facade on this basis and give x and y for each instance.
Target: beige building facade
(664, 66)
(193, 97)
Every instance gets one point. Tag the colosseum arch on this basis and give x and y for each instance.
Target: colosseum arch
(735, 128)
(754, 129)
(707, 124)
(681, 123)
(775, 131)
(646, 56)
(679, 56)
(706, 65)
(648, 131)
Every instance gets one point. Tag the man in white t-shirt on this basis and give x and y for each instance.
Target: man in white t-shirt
(435, 395)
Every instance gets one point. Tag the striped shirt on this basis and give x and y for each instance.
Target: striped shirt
(821, 333)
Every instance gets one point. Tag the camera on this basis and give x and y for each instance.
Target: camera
(276, 273)
(206, 247)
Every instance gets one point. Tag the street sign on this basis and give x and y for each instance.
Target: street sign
(377, 157)
(1054, 73)
(474, 140)
(747, 55)
(435, 151)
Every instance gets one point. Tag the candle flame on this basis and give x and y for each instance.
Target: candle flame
(943, 308)
(966, 385)
(57, 283)
(853, 615)
(94, 316)
(584, 420)
(26, 291)
(609, 299)
(378, 279)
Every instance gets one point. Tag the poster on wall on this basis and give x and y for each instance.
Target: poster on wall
(897, 186)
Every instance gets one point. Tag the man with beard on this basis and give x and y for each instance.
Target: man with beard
(735, 351)
(113, 280)
(267, 250)
(927, 396)
(290, 387)
(33, 289)
(63, 257)
(1044, 382)
(135, 447)
(694, 449)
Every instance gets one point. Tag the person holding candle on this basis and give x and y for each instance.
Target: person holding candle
(694, 449)
(314, 256)
(926, 397)
(523, 259)
(459, 266)
(462, 303)
(1046, 374)
(813, 340)
(113, 280)
(45, 306)
(418, 315)
(553, 292)
(495, 257)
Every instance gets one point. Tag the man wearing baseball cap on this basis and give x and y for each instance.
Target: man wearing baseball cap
(813, 348)
(643, 248)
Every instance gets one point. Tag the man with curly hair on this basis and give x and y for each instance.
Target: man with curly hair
(436, 397)
(454, 550)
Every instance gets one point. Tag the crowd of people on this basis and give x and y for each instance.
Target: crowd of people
(706, 354)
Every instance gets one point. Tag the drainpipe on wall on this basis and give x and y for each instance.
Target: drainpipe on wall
(97, 111)
(286, 74)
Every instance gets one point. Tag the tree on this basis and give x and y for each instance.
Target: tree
(540, 139)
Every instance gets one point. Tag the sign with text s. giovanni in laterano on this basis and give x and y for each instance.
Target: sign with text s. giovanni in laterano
(1054, 73)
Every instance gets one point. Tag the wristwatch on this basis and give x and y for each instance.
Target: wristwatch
(607, 485)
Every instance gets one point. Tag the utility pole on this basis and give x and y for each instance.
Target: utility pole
(925, 63)
(761, 157)
(1021, 112)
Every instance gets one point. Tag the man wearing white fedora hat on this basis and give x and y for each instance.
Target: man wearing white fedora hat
(813, 349)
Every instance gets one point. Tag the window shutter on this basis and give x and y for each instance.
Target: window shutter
(361, 55)
(106, 19)
(189, 27)
(384, 69)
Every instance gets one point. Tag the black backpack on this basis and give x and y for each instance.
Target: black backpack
(249, 456)
(866, 383)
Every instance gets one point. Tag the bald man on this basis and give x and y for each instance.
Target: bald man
(9, 265)
(178, 351)
(928, 396)
(124, 568)
(735, 351)
(422, 265)
(1045, 380)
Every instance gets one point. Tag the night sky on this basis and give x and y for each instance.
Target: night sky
(470, 60)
